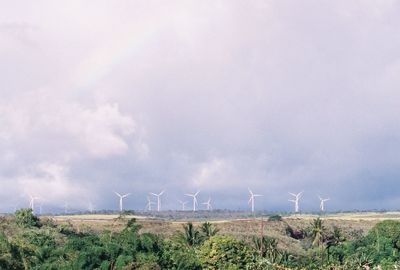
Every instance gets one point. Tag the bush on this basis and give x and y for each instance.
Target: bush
(275, 218)
(178, 256)
(25, 218)
(225, 252)
(123, 261)
(294, 233)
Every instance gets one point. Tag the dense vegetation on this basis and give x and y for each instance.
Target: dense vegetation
(29, 243)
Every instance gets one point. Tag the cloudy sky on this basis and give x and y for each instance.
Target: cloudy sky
(217, 96)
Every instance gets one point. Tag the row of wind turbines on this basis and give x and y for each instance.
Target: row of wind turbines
(158, 196)
(208, 205)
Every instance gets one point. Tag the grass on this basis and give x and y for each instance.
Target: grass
(242, 228)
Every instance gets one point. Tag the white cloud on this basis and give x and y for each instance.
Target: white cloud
(76, 130)
(285, 93)
(51, 183)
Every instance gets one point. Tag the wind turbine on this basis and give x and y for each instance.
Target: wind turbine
(121, 197)
(32, 202)
(149, 203)
(158, 199)
(296, 200)
(91, 207)
(183, 204)
(322, 204)
(66, 206)
(194, 199)
(208, 204)
(251, 200)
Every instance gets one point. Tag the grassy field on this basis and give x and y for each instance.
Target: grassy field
(245, 229)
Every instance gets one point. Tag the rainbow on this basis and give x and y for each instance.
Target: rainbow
(104, 58)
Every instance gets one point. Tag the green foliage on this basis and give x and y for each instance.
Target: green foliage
(24, 217)
(275, 218)
(317, 231)
(208, 230)
(122, 261)
(225, 252)
(386, 234)
(190, 235)
(177, 256)
(9, 255)
(45, 245)
(261, 264)
(268, 248)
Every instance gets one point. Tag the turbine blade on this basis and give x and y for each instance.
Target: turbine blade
(161, 193)
(153, 194)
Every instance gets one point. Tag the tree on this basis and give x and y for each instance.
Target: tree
(386, 232)
(317, 232)
(176, 255)
(208, 230)
(269, 247)
(225, 252)
(335, 239)
(9, 256)
(190, 235)
(25, 218)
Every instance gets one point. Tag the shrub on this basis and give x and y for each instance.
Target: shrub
(275, 218)
(225, 252)
(25, 218)
(178, 256)
(294, 233)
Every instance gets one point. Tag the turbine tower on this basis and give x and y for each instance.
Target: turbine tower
(121, 197)
(32, 202)
(194, 199)
(149, 203)
(66, 206)
(296, 200)
(91, 207)
(183, 204)
(322, 204)
(208, 204)
(158, 199)
(251, 200)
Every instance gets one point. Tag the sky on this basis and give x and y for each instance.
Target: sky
(218, 96)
